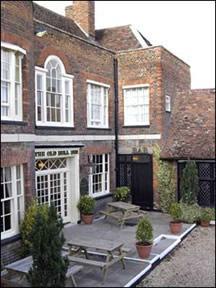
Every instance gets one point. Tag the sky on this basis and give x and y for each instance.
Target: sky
(185, 28)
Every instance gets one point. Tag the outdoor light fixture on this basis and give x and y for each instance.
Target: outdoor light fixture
(40, 32)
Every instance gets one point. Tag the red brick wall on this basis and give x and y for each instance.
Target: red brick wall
(17, 28)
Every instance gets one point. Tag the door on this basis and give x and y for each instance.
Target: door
(52, 184)
(135, 171)
(141, 181)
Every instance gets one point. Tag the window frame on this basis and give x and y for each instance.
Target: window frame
(64, 77)
(14, 230)
(103, 105)
(167, 103)
(14, 51)
(130, 87)
(107, 191)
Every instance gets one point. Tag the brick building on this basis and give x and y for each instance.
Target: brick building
(80, 111)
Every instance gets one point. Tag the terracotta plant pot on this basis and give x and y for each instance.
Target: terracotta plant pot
(87, 219)
(175, 227)
(143, 250)
(204, 223)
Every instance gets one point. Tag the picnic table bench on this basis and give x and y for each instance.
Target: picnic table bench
(114, 252)
(23, 266)
(122, 211)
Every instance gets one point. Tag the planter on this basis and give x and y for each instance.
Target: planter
(143, 250)
(175, 227)
(87, 219)
(204, 223)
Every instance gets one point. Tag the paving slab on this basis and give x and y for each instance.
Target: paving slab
(116, 276)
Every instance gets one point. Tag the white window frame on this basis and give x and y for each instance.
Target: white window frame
(102, 116)
(104, 192)
(64, 77)
(168, 103)
(126, 121)
(14, 49)
(14, 203)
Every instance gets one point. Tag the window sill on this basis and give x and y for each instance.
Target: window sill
(54, 127)
(101, 196)
(136, 126)
(13, 122)
(98, 128)
(10, 239)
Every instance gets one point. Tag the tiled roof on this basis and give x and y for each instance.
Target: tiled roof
(121, 38)
(59, 21)
(192, 126)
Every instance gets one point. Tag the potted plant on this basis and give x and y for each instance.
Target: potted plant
(121, 194)
(205, 216)
(144, 237)
(86, 206)
(176, 214)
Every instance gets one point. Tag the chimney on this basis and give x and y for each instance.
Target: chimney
(83, 13)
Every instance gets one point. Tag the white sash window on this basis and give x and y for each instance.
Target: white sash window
(54, 94)
(136, 105)
(97, 105)
(11, 82)
(12, 200)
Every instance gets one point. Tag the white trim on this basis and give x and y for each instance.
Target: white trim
(56, 58)
(80, 27)
(5, 138)
(135, 86)
(40, 69)
(97, 83)
(140, 137)
(138, 276)
(139, 37)
(13, 47)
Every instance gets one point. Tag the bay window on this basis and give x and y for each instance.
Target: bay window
(11, 82)
(54, 94)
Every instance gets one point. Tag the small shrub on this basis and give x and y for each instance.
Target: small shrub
(175, 211)
(27, 224)
(144, 232)
(190, 213)
(121, 194)
(165, 174)
(49, 267)
(86, 205)
(189, 185)
(206, 214)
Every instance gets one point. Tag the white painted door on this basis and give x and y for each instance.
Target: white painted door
(53, 184)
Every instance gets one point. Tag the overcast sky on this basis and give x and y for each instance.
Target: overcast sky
(185, 28)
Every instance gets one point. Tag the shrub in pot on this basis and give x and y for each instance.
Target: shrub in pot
(205, 216)
(86, 205)
(176, 214)
(144, 237)
(121, 194)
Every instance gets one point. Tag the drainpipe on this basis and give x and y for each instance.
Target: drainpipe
(115, 64)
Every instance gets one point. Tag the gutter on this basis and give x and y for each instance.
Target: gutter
(115, 66)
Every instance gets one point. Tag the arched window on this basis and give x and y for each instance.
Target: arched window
(54, 102)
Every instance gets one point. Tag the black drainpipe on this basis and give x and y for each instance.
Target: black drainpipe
(116, 118)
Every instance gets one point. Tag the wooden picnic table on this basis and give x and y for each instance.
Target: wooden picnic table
(22, 267)
(122, 211)
(113, 251)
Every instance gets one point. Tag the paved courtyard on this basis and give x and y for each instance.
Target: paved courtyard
(135, 267)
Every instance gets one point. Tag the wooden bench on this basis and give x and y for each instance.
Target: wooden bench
(118, 215)
(87, 261)
(71, 271)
